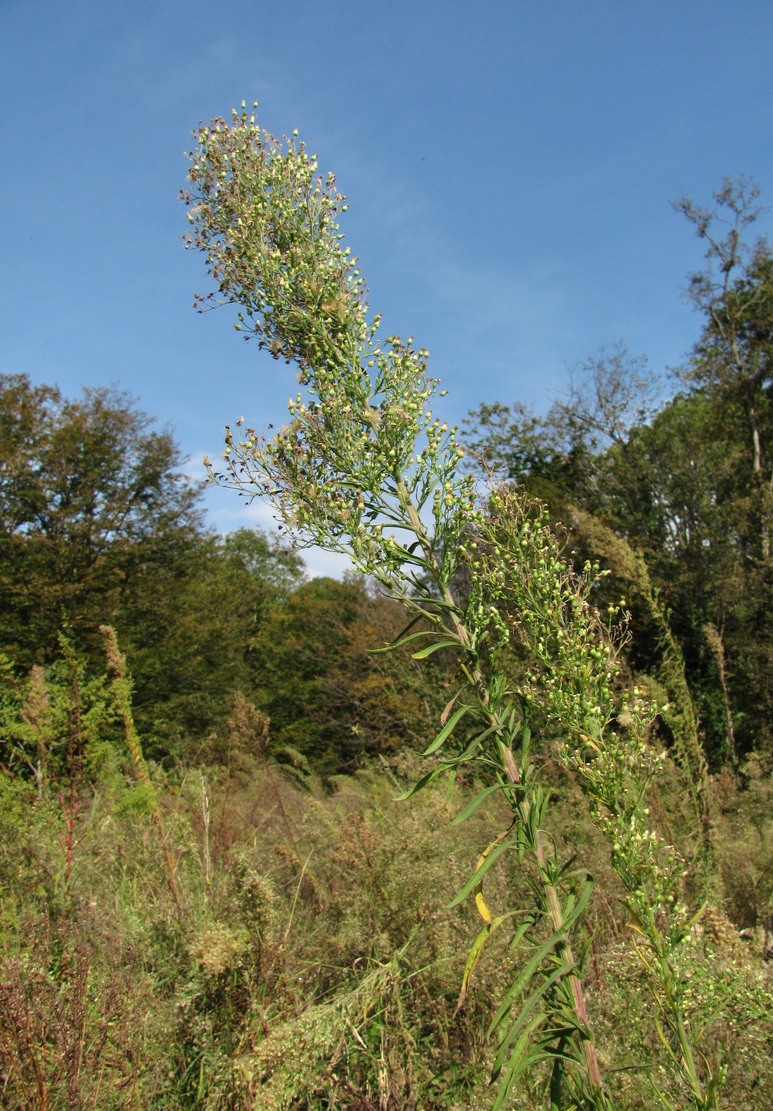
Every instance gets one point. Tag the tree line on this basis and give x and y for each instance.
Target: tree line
(666, 481)
(99, 524)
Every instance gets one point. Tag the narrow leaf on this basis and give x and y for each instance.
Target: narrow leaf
(573, 913)
(527, 973)
(402, 640)
(428, 651)
(527, 1007)
(519, 1059)
(472, 806)
(449, 707)
(482, 906)
(420, 784)
(475, 951)
(486, 860)
(447, 730)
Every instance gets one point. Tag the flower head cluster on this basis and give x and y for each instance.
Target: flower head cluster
(534, 596)
(361, 443)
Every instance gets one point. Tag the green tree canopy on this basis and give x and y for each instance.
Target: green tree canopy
(88, 493)
(99, 525)
(326, 694)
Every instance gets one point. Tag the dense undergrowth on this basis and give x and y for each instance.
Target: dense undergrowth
(243, 935)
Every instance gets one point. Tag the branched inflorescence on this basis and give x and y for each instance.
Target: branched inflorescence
(364, 467)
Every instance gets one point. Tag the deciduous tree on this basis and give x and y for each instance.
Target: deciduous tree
(89, 495)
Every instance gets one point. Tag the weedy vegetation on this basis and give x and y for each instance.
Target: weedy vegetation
(444, 843)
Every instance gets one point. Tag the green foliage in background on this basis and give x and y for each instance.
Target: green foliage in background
(682, 471)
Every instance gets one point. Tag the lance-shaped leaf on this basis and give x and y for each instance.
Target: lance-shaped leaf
(528, 972)
(447, 730)
(516, 1059)
(423, 653)
(473, 805)
(575, 905)
(449, 706)
(524, 1055)
(475, 952)
(486, 859)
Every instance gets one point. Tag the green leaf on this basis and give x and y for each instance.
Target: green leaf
(519, 1059)
(447, 730)
(475, 951)
(495, 849)
(524, 1016)
(408, 556)
(403, 639)
(521, 932)
(423, 782)
(428, 651)
(576, 904)
(472, 806)
(527, 973)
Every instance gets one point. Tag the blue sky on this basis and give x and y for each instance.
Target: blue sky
(509, 167)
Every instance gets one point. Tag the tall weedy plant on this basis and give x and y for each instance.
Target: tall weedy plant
(364, 467)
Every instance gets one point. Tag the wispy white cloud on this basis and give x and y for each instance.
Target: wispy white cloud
(227, 512)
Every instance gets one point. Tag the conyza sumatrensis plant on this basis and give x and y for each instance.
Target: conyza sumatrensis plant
(363, 467)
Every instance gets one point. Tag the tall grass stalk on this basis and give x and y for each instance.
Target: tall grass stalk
(121, 688)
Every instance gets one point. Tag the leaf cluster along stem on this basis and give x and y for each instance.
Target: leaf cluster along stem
(523, 807)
